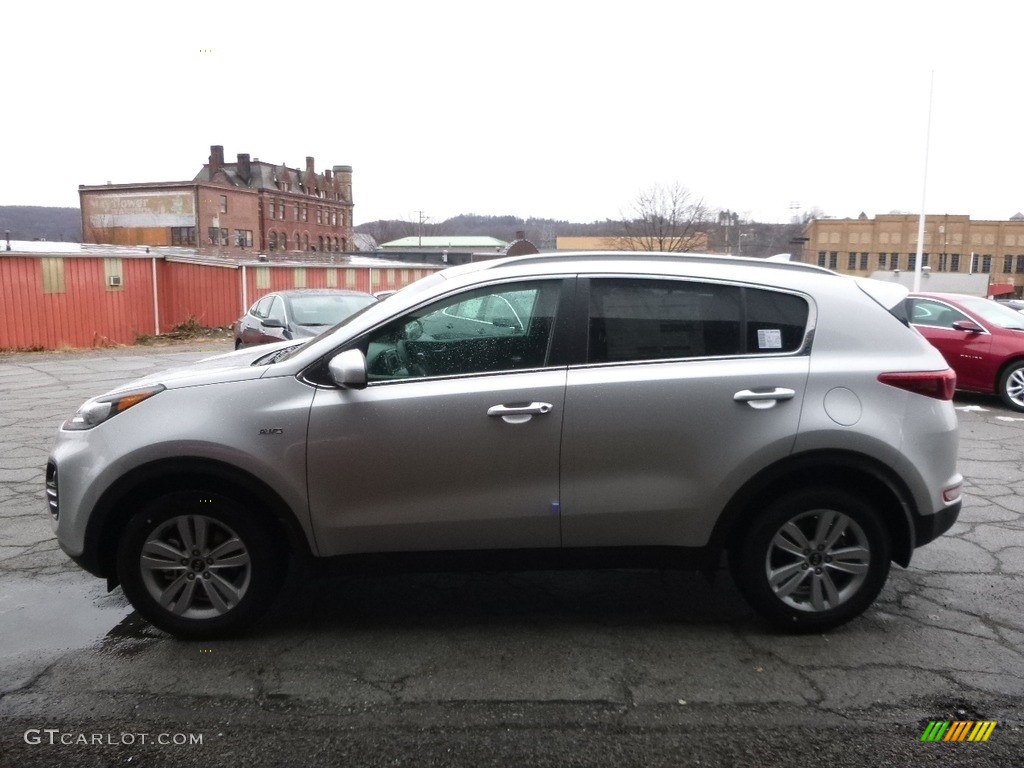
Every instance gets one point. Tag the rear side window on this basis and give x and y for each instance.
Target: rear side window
(651, 319)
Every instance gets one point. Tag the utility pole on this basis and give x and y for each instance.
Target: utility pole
(423, 218)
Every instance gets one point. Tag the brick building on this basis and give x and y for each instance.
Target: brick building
(227, 208)
(952, 244)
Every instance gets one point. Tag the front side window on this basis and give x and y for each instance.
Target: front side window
(643, 319)
(488, 330)
(276, 311)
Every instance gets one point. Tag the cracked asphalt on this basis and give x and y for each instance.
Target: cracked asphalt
(559, 669)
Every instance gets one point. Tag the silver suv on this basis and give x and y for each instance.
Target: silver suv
(544, 411)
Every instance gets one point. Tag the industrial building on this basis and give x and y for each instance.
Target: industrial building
(227, 209)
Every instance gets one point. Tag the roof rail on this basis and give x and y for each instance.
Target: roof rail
(704, 258)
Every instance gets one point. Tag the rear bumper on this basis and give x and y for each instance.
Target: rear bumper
(930, 527)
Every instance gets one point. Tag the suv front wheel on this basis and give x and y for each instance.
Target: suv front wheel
(197, 566)
(814, 560)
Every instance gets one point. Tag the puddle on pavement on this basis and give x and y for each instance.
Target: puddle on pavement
(41, 614)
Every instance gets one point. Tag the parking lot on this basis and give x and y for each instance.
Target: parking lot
(580, 668)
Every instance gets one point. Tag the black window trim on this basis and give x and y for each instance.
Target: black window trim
(557, 357)
(581, 319)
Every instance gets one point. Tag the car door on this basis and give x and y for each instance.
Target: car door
(967, 352)
(686, 390)
(454, 443)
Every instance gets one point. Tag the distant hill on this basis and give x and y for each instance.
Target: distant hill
(758, 239)
(541, 232)
(37, 222)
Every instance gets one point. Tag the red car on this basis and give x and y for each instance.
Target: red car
(982, 340)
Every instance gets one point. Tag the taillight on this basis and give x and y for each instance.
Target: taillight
(937, 384)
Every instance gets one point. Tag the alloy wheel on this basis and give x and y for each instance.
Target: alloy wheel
(195, 567)
(818, 560)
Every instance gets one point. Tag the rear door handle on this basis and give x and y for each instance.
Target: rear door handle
(766, 398)
(519, 413)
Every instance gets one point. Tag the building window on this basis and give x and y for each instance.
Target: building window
(1020, 264)
(954, 262)
(894, 261)
(1007, 264)
(911, 262)
(183, 235)
(320, 240)
(319, 215)
(943, 262)
(924, 261)
(833, 260)
(305, 212)
(218, 236)
(243, 238)
(864, 262)
(297, 212)
(974, 263)
(334, 218)
(821, 258)
(883, 259)
(851, 261)
(986, 263)
(282, 209)
(337, 245)
(305, 242)
(273, 209)
(272, 241)
(284, 241)
(223, 203)
(53, 275)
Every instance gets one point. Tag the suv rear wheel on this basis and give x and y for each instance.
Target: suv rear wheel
(195, 564)
(814, 560)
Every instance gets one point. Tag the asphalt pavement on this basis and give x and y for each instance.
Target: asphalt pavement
(583, 668)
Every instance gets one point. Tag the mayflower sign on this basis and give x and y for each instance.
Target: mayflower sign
(140, 209)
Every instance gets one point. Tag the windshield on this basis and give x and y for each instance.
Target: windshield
(995, 313)
(325, 308)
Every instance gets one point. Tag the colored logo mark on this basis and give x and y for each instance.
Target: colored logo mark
(958, 730)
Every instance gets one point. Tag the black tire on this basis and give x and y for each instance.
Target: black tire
(211, 567)
(1011, 386)
(814, 559)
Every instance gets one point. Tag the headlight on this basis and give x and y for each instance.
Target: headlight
(94, 412)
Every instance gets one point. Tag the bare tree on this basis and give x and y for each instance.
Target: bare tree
(665, 218)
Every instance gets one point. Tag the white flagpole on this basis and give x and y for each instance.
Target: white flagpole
(924, 188)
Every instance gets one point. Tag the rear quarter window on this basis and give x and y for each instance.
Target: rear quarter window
(776, 322)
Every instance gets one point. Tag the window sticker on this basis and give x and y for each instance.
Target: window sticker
(769, 338)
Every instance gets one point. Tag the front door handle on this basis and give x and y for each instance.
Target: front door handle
(519, 413)
(765, 398)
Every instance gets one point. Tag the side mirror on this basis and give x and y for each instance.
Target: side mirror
(272, 322)
(967, 325)
(348, 369)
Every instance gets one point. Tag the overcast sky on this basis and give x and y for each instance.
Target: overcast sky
(555, 109)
